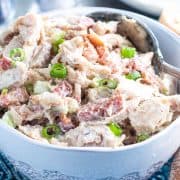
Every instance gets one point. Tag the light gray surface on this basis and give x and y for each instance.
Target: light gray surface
(151, 6)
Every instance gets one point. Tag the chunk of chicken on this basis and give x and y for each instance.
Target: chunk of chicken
(92, 135)
(78, 77)
(95, 94)
(131, 89)
(51, 100)
(115, 41)
(72, 50)
(102, 28)
(33, 132)
(26, 113)
(150, 115)
(38, 74)
(15, 76)
(41, 56)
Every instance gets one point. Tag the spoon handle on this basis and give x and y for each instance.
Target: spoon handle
(169, 69)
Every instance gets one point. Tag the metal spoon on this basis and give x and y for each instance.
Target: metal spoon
(141, 36)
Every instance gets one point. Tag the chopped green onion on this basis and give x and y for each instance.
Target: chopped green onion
(58, 71)
(17, 54)
(128, 52)
(4, 91)
(95, 82)
(7, 118)
(164, 91)
(110, 83)
(133, 75)
(29, 88)
(142, 137)
(57, 40)
(116, 129)
(50, 131)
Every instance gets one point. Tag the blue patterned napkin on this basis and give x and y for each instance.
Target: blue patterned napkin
(9, 172)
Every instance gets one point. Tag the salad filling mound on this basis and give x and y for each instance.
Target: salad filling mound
(72, 81)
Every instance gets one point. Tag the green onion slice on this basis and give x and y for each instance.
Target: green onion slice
(133, 75)
(142, 137)
(115, 128)
(7, 118)
(29, 88)
(58, 70)
(110, 83)
(4, 91)
(17, 54)
(128, 52)
(164, 91)
(50, 131)
(57, 40)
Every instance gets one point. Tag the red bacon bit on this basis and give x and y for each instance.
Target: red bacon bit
(131, 66)
(5, 63)
(63, 89)
(106, 108)
(102, 55)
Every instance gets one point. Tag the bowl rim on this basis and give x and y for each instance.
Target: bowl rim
(39, 143)
(97, 149)
(86, 10)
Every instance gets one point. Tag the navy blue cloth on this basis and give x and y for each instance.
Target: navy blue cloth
(9, 172)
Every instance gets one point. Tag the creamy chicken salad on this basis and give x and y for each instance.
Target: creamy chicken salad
(71, 81)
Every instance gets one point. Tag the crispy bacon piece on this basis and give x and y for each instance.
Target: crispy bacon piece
(5, 63)
(95, 40)
(101, 50)
(104, 108)
(63, 89)
(89, 51)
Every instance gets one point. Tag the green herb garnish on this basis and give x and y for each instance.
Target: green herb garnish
(58, 71)
(4, 91)
(133, 75)
(50, 131)
(109, 83)
(142, 137)
(57, 40)
(17, 54)
(115, 128)
(128, 52)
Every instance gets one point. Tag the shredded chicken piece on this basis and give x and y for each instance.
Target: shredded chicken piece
(86, 135)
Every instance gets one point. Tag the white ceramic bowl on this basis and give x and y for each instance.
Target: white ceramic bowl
(43, 161)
